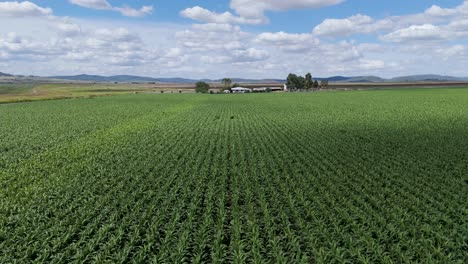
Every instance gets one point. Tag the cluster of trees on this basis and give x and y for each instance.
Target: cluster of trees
(203, 87)
(227, 84)
(296, 82)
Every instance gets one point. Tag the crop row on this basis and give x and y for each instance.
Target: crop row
(262, 179)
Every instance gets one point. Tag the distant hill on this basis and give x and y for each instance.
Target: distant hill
(176, 80)
(364, 79)
(5, 75)
(335, 78)
(411, 78)
(370, 79)
(427, 77)
(98, 78)
(140, 79)
(242, 80)
(131, 78)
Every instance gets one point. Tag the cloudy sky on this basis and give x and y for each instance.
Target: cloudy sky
(234, 38)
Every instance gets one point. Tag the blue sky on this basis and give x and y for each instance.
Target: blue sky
(234, 38)
(168, 11)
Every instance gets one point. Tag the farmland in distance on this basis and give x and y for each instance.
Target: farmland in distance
(332, 177)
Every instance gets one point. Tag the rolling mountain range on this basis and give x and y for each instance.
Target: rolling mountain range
(410, 78)
(365, 79)
(5, 75)
(139, 79)
(130, 78)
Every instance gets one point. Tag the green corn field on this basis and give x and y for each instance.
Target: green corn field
(330, 177)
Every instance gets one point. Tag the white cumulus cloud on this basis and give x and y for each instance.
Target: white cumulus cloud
(212, 37)
(351, 25)
(257, 8)
(250, 54)
(131, 12)
(418, 23)
(289, 42)
(36, 42)
(105, 5)
(205, 15)
(94, 4)
(252, 11)
(424, 32)
(23, 9)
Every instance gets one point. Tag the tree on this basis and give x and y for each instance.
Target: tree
(316, 84)
(291, 79)
(226, 84)
(202, 87)
(300, 84)
(295, 82)
(308, 81)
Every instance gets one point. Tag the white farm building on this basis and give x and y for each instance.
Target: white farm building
(241, 90)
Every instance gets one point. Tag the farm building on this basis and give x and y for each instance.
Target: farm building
(276, 89)
(260, 90)
(289, 88)
(241, 90)
(267, 89)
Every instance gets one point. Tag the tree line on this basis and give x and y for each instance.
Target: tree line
(293, 83)
(203, 87)
(298, 83)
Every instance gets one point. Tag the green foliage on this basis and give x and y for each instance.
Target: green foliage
(316, 84)
(291, 80)
(202, 87)
(309, 83)
(344, 177)
(296, 82)
(226, 84)
(300, 82)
